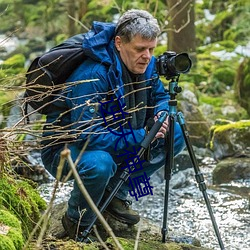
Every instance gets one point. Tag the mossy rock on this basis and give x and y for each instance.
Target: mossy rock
(219, 107)
(21, 199)
(128, 244)
(225, 75)
(11, 237)
(232, 139)
(150, 235)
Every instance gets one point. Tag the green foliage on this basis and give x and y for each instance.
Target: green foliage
(224, 75)
(6, 243)
(128, 244)
(242, 84)
(214, 101)
(17, 61)
(13, 239)
(216, 67)
(12, 67)
(221, 23)
(219, 102)
(229, 23)
(22, 200)
(49, 20)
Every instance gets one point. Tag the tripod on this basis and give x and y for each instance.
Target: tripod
(126, 174)
(173, 90)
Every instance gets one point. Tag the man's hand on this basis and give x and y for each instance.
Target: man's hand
(164, 128)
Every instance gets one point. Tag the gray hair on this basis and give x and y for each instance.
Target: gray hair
(137, 22)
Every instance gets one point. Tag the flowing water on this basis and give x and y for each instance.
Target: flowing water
(187, 212)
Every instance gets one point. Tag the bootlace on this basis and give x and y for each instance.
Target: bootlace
(127, 203)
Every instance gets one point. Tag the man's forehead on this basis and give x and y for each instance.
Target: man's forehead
(137, 40)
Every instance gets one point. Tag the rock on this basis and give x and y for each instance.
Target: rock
(190, 96)
(181, 179)
(231, 169)
(197, 125)
(232, 139)
(149, 238)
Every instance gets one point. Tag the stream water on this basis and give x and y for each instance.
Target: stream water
(187, 212)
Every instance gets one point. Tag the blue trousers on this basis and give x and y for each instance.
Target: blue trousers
(99, 170)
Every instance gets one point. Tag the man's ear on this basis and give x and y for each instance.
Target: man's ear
(118, 43)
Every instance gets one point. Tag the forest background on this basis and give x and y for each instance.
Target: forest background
(214, 33)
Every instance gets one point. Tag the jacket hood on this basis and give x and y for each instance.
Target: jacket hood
(98, 43)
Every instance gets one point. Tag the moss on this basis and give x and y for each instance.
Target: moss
(16, 61)
(229, 45)
(128, 244)
(219, 102)
(214, 101)
(6, 243)
(235, 125)
(225, 75)
(13, 239)
(9, 219)
(16, 237)
(21, 199)
(220, 131)
(13, 71)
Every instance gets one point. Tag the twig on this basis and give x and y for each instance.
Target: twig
(66, 154)
(99, 238)
(137, 236)
(77, 21)
(45, 217)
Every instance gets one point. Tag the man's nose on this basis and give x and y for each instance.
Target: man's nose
(146, 54)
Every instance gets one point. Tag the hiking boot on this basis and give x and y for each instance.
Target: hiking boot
(74, 231)
(121, 211)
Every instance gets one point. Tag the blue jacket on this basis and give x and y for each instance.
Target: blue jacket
(103, 70)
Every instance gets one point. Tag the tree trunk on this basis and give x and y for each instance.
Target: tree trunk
(83, 7)
(181, 27)
(71, 6)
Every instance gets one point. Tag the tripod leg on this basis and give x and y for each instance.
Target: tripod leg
(125, 175)
(199, 176)
(168, 173)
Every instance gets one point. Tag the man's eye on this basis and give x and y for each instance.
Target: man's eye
(139, 50)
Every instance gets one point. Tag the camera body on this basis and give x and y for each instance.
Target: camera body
(171, 65)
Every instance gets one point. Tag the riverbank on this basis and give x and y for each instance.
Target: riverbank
(188, 216)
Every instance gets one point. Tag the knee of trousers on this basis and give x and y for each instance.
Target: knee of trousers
(98, 165)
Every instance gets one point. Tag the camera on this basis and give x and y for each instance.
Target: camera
(171, 65)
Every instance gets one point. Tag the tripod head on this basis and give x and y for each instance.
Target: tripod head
(174, 89)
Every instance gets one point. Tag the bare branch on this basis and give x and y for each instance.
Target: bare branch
(66, 154)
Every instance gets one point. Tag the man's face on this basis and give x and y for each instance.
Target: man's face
(137, 53)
